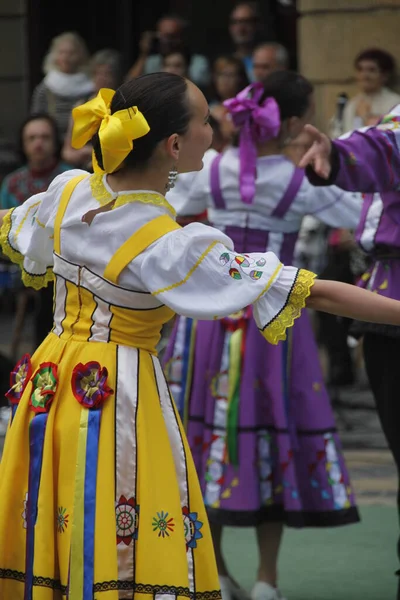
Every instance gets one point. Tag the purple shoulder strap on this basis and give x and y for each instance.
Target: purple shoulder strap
(284, 204)
(215, 183)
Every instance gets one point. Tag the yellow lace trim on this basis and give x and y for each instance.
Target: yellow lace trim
(103, 196)
(275, 331)
(29, 279)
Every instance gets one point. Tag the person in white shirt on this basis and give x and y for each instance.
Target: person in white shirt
(374, 70)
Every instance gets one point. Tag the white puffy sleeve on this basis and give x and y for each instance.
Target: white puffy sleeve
(332, 205)
(27, 233)
(196, 272)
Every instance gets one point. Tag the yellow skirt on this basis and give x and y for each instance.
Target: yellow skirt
(99, 497)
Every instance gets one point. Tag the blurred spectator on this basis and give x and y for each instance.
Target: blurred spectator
(228, 78)
(40, 152)
(374, 70)
(226, 129)
(168, 37)
(219, 141)
(106, 70)
(66, 79)
(244, 26)
(177, 62)
(269, 57)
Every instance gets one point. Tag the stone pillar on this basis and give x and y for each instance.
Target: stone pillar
(13, 68)
(331, 33)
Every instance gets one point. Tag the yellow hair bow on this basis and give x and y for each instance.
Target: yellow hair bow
(116, 132)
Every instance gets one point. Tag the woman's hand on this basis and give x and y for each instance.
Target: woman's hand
(319, 155)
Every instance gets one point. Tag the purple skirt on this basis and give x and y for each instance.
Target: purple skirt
(259, 424)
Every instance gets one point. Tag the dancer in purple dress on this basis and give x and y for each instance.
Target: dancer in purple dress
(368, 160)
(258, 417)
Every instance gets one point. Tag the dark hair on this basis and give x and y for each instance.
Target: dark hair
(162, 98)
(183, 51)
(290, 90)
(174, 17)
(253, 5)
(227, 59)
(56, 135)
(384, 60)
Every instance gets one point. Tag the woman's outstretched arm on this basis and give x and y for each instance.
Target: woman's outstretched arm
(347, 300)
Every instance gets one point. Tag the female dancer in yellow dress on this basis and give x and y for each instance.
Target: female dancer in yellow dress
(98, 492)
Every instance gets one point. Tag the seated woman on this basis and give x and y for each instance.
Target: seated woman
(374, 70)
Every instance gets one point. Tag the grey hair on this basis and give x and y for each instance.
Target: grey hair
(110, 57)
(49, 60)
(282, 55)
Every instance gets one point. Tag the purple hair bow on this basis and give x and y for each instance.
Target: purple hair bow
(257, 123)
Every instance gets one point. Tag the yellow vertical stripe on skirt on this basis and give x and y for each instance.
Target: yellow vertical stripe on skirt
(201, 562)
(77, 545)
(161, 539)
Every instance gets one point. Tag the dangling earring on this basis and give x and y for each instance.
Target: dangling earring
(172, 177)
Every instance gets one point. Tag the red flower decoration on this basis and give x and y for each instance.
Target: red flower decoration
(89, 384)
(19, 378)
(44, 387)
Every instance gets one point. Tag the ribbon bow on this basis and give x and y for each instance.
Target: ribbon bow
(116, 131)
(257, 123)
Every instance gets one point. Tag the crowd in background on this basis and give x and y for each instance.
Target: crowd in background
(72, 76)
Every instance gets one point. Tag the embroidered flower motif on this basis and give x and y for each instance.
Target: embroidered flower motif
(242, 260)
(224, 258)
(89, 384)
(62, 519)
(392, 124)
(255, 275)
(390, 118)
(127, 517)
(163, 524)
(240, 263)
(191, 526)
(19, 378)
(24, 515)
(44, 387)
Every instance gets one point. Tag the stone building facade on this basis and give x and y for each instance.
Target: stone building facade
(330, 35)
